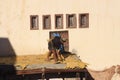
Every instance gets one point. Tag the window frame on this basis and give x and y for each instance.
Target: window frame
(32, 27)
(43, 20)
(87, 20)
(68, 21)
(61, 16)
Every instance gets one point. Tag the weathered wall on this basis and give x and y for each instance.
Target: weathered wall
(98, 45)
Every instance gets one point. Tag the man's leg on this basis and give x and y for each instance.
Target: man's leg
(59, 55)
(48, 55)
(55, 56)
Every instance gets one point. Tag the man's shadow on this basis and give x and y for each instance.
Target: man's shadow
(7, 59)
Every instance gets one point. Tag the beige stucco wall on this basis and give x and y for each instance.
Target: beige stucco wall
(97, 45)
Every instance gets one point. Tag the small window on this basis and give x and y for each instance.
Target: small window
(58, 21)
(71, 21)
(34, 22)
(84, 20)
(46, 22)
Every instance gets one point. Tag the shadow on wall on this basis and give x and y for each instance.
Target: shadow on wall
(7, 59)
(6, 48)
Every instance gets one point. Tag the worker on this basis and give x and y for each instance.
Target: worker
(52, 50)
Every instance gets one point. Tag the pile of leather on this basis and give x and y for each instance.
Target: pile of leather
(71, 61)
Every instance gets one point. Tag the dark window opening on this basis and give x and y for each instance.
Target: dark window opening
(71, 20)
(46, 22)
(34, 22)
(58, 21)
(83, 20)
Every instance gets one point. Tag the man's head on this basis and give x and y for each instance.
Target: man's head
(56, 35)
